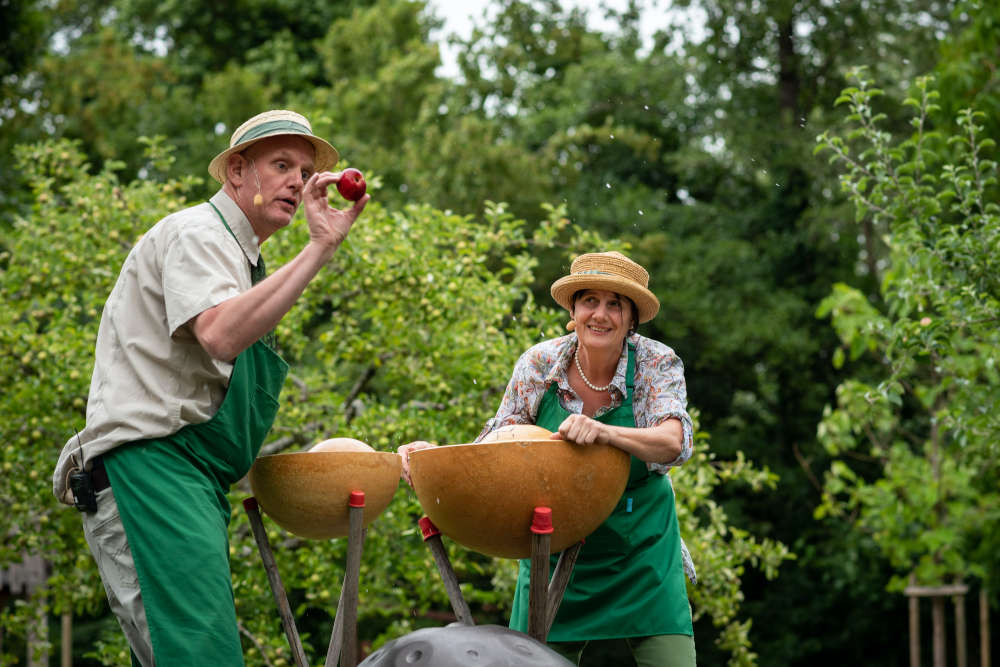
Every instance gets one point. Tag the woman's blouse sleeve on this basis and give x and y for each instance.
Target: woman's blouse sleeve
(661, 393)
(532, 374)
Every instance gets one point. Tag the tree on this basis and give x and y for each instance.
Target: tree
(916, 441)
(409, 334)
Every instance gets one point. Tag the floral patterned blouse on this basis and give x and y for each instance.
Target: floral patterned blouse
(659, 393)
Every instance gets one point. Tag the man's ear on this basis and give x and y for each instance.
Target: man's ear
(236, 168)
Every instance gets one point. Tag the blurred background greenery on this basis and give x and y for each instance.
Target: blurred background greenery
(836, 312)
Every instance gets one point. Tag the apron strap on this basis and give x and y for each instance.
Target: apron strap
(257, 273)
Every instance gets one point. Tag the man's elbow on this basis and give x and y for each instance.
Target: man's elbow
(210, 335)
(219, 348)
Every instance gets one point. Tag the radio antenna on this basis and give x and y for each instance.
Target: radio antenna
(80, 445)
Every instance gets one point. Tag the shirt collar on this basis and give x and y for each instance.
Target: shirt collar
(559, 372)
(239, 223)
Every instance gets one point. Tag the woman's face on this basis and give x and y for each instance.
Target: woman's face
(602, 318)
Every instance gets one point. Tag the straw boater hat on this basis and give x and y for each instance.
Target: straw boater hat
(610, 271)
(272, 124)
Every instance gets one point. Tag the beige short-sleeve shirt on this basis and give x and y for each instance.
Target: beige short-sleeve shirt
(151, 376)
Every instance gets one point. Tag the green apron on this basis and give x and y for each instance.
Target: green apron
(171, 495)
(628, 580)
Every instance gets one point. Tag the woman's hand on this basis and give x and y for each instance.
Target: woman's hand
(583, 430)
(657, 444)
(404, 454)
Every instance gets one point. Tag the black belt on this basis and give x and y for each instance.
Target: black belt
(99, 476)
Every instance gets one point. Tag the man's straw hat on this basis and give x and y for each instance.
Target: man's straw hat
(611, 271)
(272, 124)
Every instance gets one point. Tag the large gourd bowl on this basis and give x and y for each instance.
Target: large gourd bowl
(483, 496)
(307, 493)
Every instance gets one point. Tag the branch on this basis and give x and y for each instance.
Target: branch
(281, 444)
(350, 412)
(249, 635)
(805, 467)
(301, 384)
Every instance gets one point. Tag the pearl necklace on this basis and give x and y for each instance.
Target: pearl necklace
(587, 382)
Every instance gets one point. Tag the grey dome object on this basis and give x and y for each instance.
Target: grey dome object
(459, 645)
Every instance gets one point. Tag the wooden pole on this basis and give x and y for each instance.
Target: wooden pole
(984, 629)
(961, 650)
(347, 647)
(914, 625)
(66, 647)
(432, 537)
(538, 585)
(336, 646)
(560, 579)
(274, 578)
(937, 618)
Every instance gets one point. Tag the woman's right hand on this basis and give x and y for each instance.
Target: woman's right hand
(404, 453)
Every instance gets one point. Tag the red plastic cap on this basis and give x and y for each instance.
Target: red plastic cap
(357, 499)
(427, 528)
(250, 503)
(541, 522)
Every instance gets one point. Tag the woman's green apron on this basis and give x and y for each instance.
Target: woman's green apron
(171, 494)
(628, 580)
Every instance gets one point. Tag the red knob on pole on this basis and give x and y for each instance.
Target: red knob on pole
(541, 522)
(357, 499)
(250, 503)
(427, 528)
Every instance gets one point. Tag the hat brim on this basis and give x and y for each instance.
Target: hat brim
(326, 157)
(564, 289)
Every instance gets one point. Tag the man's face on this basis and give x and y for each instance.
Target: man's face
(277, 168)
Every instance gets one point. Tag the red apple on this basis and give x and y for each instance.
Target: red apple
(351, 185)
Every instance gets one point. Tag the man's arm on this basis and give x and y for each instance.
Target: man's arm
(237, 323)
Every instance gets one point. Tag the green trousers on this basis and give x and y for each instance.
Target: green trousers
(655, 651)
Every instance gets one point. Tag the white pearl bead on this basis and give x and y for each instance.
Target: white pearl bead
(576, 357)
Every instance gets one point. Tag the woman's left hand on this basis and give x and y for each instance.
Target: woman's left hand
(583, 430)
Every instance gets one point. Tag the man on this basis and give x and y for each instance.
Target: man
(185, 389)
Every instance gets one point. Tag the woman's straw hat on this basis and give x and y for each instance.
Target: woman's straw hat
(272, 124)
(611, 271)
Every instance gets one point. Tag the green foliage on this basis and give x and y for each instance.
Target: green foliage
(721, 550)
(409, 333)
(56, 268)
(965, 74)
(926, 423)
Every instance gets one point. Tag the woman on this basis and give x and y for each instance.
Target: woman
(604, 384)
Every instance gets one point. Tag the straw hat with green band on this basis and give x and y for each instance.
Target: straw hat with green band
(611, 271)
(272, 124)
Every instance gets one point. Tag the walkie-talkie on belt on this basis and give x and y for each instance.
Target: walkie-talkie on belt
(82, 485)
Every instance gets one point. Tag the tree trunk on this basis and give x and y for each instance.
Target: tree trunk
(789, 85)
